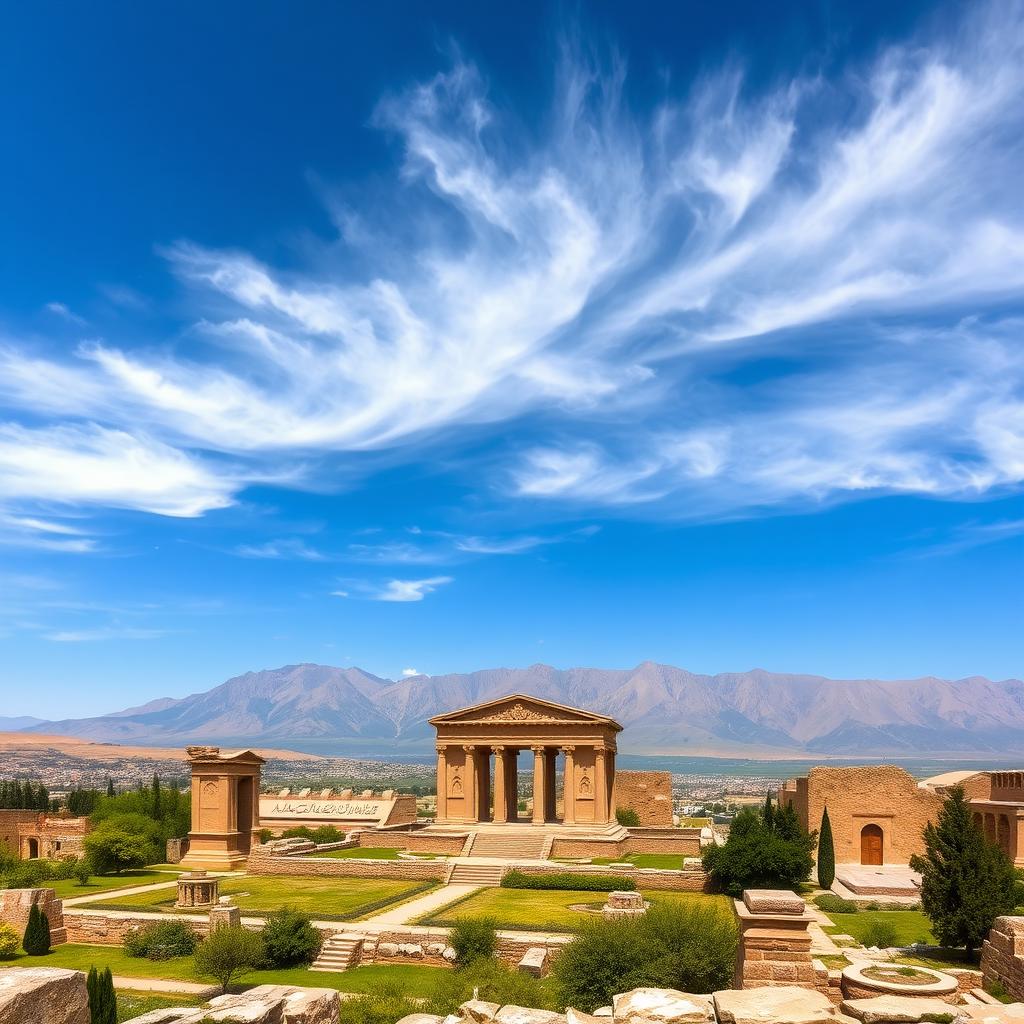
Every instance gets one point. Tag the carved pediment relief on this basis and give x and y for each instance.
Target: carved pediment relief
(521, 710)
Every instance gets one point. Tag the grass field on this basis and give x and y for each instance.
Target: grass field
(371, 853)
(546, 910)
(910, 925)
(66, 888)
(326, 899)
(134, 1004)
(671, 861)
(415, 979)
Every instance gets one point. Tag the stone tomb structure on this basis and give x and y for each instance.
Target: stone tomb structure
(225, 807)
(478, 752)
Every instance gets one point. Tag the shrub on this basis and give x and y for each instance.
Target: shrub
(627, 817)
(161, 940)
(473, 938)
(833, 904)
(384, 1002)
(879, 933)
(327, 834)
(689, 947)
(567, 880)
(265, 834)
(123, 841)
(494, 982)
(290, 938)
(83, 871)
(9, 941)
(229, 952)
(298, 832)
(36, 941)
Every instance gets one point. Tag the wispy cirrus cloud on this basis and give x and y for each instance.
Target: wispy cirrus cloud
(393, 590)
(620, 281)
(285, 547)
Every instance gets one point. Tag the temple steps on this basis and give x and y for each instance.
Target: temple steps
(477, 874)
(510, 847)
(339, 952)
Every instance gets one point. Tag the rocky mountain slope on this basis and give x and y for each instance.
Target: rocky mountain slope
(666, 710)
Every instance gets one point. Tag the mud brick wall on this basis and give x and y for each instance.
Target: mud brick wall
(647, 793)
(328, 867)
(9, 822)
(1002, 955)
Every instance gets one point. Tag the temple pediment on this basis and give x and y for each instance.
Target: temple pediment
(521, 709)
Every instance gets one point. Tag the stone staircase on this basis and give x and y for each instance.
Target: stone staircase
(339, 952)
(526, 846)
(476, 874)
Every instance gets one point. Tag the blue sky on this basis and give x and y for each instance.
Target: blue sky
(439, 337)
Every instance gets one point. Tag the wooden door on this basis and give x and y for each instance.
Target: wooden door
(871, 845)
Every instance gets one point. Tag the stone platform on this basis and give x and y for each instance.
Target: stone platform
(879, 880)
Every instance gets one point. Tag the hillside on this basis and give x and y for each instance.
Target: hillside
(665, 709)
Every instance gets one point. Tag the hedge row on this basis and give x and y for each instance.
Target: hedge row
(567, 880)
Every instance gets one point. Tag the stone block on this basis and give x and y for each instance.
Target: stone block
(573, 1016)
(661, 1006)
(512, 1014)
(420, 1018)
(301, 1005)
(43, 995)
(773, 901)
(478, 1010)
(895, 1009)
(785, 1004)
(533, 961)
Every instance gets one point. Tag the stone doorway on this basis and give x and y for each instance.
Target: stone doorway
(871, 845)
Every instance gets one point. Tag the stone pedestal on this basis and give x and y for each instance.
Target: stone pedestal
(225, 913)
(775, 943)
(197, 889)
(624, 904)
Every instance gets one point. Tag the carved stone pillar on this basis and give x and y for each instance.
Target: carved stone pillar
(600, 787)
(569, 786)
(471, 784)
(539, 786)
(500, 793)
(442, 784)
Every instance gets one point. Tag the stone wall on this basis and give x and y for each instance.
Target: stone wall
(693, 880)
(108, 928)
(9, 822)
(684, 841)
(881, 795)
(414, 842)
(647, 793)
(16, 905)
(261, 863)
(1002, 955)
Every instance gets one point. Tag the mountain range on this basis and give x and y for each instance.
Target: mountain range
(665, 710)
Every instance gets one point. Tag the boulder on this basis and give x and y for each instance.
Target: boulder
(435, 948)
(302, 1005)
(661, 1006)
(387, 949)
(784, 1004)
(411, 949)
(896, 1009)
(527, 1015)
(1008, 1013)
(603, 1011)
(43, 995)
(244, 1008)
(179, 1015)
(478, 1010)
(449, 954)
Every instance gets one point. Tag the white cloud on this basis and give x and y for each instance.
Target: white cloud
(78, 636)
(400, 591)
(287, 547)
(407, 672)
(62, 311)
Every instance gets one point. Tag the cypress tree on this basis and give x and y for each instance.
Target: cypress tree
(966, 881)
(36, 941)
(108, 1000)
(826, 853)
(768, 815)
(110, 786)
(157, 810)
(94, 1000)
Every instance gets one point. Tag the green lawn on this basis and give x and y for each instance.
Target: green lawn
(910, 925)
(326, 899)
(415, 979)
(671, 861)
(66, 888)
(134, 1004)
(372, 853)
(546, 910)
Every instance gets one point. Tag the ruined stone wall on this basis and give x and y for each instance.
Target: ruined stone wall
(10, 820)
(328, 867)
(404, 811)
(1002, 955)
(108, 928)
(647, 793)
(16, 904)
(882, 795)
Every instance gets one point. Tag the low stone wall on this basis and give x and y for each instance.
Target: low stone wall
(1002, 955)
(645, 878)
(108, 928)
(684, 841)
(346, 867)
(414, 842)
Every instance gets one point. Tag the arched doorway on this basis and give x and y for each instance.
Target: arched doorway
(871, 844)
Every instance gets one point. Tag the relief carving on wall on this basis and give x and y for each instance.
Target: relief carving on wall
(455, 787)
(519, 712)
(585, 785)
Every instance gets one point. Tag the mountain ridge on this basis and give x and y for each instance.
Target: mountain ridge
(665, 709)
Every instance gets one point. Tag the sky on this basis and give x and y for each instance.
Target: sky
(437, 337)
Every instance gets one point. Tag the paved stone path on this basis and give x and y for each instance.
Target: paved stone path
(406, 913)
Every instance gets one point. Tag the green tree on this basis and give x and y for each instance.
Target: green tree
(966, 881)
(157, 809)
(110, 786)
(36, 941)
(768, 813)
(124, 841)
(473, 938)
(826, 853)
(229, 953)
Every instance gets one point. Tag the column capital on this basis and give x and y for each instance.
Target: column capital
(568, 748)
(469, 747)
(443, 747)
(499, 749)
(538, 750)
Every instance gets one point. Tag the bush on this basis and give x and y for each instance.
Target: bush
(473, 938)
(123, 841)
(879, 933)
(567, 880)
(298, 832)
(384, 1002)
(689, 947)
(83, 871)
(833, 904)
(265, 834)
(290, 938)
(229, 952)
(9, 941)
(36, 941)
(327, 834)
(494, 982)
(161, 940)
(627, 817)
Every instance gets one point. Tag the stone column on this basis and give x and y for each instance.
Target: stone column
(569, 786)
(442, 784)
(550, 794)
(471, 784)
(500, 793)
(600, 787)
(539, 786)
(609, 770)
